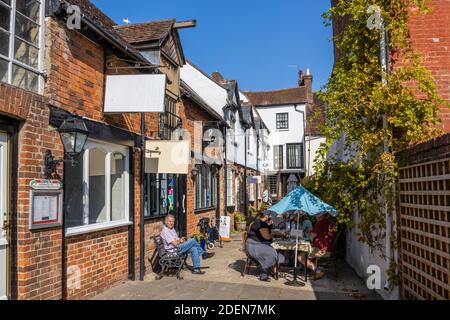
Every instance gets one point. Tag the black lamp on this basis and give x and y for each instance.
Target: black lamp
(74, 134)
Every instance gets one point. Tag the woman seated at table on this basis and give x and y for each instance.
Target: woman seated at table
(322, 237)
(258, 245)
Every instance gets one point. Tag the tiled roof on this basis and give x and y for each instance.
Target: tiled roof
(103, 22)
(278, 97)
(145, 32)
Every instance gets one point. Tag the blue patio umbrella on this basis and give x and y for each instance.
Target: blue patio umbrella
(301, 201)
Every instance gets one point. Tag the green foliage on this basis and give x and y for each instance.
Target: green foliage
(198, 237)
(378, 120)
(239, 217)
(264, 206)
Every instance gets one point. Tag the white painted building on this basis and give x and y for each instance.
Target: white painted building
(243, 141)
(291, 150)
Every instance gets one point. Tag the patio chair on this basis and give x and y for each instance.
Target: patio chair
(171, 262)
(251, 261)
(332, 257)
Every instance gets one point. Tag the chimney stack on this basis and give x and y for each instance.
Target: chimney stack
(218, 77)
(308, 78)
(300, 77)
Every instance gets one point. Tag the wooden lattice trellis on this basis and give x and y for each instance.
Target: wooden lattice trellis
(425, 230)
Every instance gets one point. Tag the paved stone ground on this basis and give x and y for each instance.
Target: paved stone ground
(223, 281)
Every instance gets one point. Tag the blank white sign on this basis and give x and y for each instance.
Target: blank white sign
(135, 93)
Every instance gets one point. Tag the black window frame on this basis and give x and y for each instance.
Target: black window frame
(298, 163)
(201, 204)
(282, 123)
(149, 202)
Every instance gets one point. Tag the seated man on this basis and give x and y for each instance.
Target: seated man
(172, 241)
(322, 240)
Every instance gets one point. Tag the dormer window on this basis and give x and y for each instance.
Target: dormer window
(21, 43)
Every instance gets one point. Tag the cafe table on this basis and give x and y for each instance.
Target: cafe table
(290, 245)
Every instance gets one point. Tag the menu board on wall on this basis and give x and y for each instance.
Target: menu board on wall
(46, 198)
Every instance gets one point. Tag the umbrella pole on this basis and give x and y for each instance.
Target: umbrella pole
(295, 282)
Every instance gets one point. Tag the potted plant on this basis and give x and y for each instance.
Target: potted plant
(240, 222)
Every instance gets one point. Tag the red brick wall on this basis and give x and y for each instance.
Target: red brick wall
(189, 112)
(430, 35)
(100, 257)
(38, 253)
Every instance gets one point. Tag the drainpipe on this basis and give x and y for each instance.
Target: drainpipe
(142, 222)
(257, 169)
(384, 59)
(245, 173)
(304, 134)
(225, 168)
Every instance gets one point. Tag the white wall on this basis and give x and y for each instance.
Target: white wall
(295, 134)
(312, 147)
(212, 93)
(359, 256)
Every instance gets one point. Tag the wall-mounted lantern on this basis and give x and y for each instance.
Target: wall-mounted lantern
(74, 134)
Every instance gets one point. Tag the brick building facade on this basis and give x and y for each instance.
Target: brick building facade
(100, 245)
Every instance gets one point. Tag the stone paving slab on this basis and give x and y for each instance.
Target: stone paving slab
(223, 281)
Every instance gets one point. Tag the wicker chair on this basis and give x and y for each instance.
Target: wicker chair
(171, 262)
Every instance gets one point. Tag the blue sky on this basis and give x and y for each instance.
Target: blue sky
(260, 43)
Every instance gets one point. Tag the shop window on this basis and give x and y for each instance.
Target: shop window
(97, 188)
(159, 194)
(205, 187)
(21, 33)
(251, 193)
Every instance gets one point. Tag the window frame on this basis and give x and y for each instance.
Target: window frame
(109, 149)
(230, 189)
(282, 124)
(300, 159)
(273, 180)
(278, 162)
(147, 202)
(11, 61)
(206, 175)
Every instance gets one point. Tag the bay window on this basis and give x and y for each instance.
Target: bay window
(21, 43)
(205, 187)
(97, 188)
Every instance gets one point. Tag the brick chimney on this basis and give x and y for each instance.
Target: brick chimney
(218, 77)
(308, 78)
(300, 77)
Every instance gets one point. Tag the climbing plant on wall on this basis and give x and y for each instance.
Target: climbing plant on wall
(360, 175)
